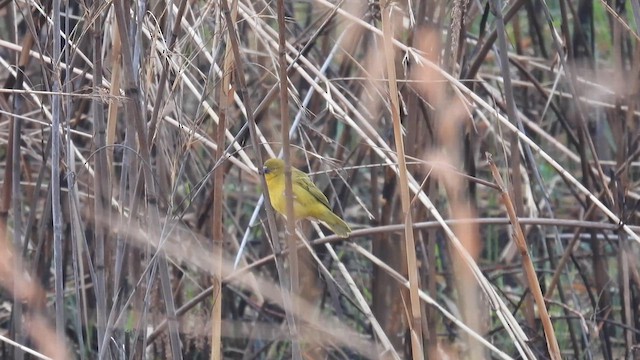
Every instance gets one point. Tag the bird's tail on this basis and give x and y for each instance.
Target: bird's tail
(337, 225)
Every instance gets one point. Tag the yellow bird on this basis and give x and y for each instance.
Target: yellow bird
(308, 201)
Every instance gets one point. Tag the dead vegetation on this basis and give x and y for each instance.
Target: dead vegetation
(485, 154)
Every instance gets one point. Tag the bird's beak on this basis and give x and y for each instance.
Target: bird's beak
(263, 171)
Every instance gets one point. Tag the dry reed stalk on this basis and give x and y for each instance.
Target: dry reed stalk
(527, 264)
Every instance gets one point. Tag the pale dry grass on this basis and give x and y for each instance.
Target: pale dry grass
(139, 230)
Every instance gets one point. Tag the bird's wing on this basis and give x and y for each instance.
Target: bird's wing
(303, 180)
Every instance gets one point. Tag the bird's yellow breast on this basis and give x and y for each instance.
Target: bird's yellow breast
(305, 205)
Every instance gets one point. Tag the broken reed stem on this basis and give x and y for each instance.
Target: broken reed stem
(415, 319)
(527, 264)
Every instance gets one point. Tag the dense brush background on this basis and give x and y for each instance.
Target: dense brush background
(131, 216)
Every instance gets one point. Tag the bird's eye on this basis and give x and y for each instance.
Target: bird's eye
(265, 170)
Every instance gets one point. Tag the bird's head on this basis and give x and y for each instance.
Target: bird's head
(273, 167)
